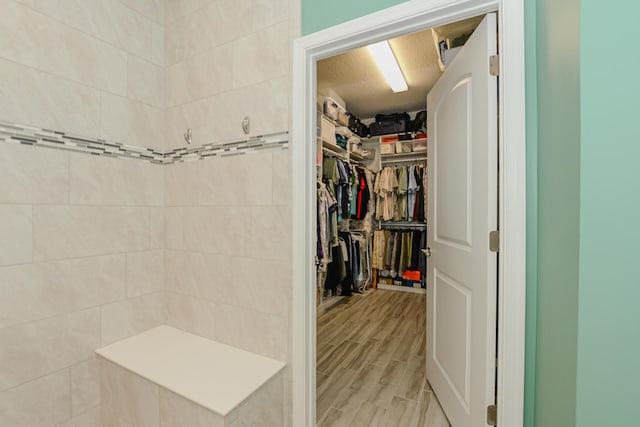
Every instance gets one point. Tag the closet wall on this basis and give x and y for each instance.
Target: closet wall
(81, 236)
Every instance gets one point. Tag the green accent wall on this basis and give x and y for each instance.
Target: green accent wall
(558, 211)
(531, 90)
(609, 314)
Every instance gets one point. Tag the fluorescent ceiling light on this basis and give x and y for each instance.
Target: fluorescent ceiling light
(388, 65)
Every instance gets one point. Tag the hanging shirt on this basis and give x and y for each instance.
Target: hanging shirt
(412, 193)
(401, 208)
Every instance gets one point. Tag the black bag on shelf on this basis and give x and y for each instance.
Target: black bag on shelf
(357, 127)
(389, 123)
(419, 123)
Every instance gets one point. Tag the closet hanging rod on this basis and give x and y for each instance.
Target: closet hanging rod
(404, 225)
(407, 160)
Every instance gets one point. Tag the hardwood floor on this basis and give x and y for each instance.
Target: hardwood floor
(371, 363)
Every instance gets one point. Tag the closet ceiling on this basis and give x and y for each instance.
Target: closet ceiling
(356, 78)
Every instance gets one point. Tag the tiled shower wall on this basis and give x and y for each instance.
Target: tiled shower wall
(81, 236)
(228, 220)
(82, 253)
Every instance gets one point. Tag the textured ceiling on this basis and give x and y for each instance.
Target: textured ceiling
(356, 78)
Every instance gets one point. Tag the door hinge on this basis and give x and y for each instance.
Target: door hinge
(494, 241)
(494, 65)
(492, 415)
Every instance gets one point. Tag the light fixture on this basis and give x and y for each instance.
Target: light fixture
(388, 65)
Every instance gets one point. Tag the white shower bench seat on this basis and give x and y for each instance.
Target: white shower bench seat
(167, 377)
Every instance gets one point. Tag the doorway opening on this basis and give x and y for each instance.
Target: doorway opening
(397, 22)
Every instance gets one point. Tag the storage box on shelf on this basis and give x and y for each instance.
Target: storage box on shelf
(419, 145)
(327, 130)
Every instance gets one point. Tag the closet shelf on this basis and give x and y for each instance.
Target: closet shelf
(332, 147)
(358, 156)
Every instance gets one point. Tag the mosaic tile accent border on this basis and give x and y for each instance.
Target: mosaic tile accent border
(225, 149)
(30, 135)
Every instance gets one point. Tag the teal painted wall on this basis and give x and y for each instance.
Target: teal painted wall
(531, 88)
(558, 210)
(609, 326)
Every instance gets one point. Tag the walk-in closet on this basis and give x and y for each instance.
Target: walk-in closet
(372, 223)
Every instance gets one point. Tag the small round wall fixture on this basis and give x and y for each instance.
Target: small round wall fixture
(187, 136)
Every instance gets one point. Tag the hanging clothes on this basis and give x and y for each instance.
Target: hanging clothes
(399, 252)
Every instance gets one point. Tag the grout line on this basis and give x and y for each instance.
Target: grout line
(56, 371)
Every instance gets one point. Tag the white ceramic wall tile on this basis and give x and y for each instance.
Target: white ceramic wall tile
(31, 175)
(111, 21)
(189, 314)
(182, 228)
(33, 39)
(271, 232)
(152, 9)
(156, 218)
(174, 42)
(181, 184)
(295, 19)
(127, 397)
(215, 24)
(145, 82)
(37, 291)
(200, 76)
(197, 116)
(157, 43)
(249, 330)
(30, 3)
(176, 411)
(197, 274)
(266, 103)
(266, 13)
(282, 179)
(259, 285)
(208, 229)
(85, 386)
(45, 401)
(265, 407)
(16, 232)
(176, 9)
(98, 180)
(233, 232)
(34, 349)
(131, 122)
(261, 56)
(40, 99)
(91, 418)
(237, 180)
(79, 231)
(126, 318)
(145, 272)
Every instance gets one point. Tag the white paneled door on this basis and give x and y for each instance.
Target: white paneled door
(462, 211)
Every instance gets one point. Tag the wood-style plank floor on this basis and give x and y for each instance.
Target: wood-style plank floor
(371, 363)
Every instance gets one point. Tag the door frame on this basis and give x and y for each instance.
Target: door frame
(396, 21)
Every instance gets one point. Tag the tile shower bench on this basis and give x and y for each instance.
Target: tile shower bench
(169, 378)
